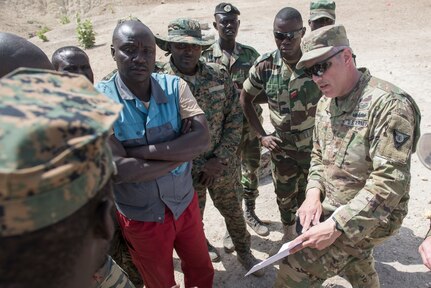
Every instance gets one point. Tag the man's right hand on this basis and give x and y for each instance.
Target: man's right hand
(270, 142)
(310, 210)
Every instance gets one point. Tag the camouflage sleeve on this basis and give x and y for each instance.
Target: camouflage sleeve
(316, 167)
(392, 137)
(112, 276)
(232, 127)
(254, 84)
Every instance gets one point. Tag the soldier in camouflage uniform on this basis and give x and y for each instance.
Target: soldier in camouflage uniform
(218, 168)
(322, 13)
(29, 55)
(292, 98)
(74, 60)
(238, 58)
(55, 193)
(424, 153)
(366, 130)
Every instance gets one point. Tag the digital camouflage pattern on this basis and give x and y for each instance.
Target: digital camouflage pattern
(361, 162)
(322, 9)
(238, 65)
(292, 101)
(321, 41)
(183, 30)
(53, 151)
(113, 276)
(120, 253)
(216, 95)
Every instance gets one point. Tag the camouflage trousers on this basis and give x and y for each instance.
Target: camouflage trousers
(289, 174)
(311, 267)
(111, 276)
(249, 152)
(226, 196)
(120, 253)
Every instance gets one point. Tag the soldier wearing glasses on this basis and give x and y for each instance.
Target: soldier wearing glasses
(292, 100)
(366, 130)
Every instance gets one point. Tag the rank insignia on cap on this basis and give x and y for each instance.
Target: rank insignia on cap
(227, 8)
(400, 139)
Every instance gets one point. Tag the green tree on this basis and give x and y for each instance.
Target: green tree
(85, 33)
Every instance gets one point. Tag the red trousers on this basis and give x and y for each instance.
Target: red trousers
(151, 246)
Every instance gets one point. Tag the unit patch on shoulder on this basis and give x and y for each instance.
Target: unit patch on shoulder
(400, 138)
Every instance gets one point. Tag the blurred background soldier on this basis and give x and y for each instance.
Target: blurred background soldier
(322, 13)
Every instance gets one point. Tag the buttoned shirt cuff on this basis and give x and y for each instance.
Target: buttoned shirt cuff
(250, 89)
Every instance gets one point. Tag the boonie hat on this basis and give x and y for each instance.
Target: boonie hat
(321, 41)
(183, 30)
(226, 8)
(53, 152)
(322, 9)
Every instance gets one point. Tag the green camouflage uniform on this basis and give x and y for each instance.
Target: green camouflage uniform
(361, 156)
(292, 100)
(53, 143)
(238, 65)
(216, 95)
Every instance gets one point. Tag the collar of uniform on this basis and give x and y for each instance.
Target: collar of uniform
(349, 102)
(278, 61)
(217, 52)
(156, 91)
(201, 68)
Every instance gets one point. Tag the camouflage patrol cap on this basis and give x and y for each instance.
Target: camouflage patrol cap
(226, 8)
(322, 9)
(321, 41)
(53, 151)
(424, 150)
(183, 30)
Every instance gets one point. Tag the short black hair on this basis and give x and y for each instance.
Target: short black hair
(56, 55)
(288, 13)
(45, 258)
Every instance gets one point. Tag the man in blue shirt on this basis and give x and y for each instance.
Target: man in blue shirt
(156, 202)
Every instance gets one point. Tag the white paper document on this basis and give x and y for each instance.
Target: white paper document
(283, 252)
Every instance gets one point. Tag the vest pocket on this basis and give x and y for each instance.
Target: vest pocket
(159, 134)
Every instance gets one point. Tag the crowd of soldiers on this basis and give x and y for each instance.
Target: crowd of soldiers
(152, 138)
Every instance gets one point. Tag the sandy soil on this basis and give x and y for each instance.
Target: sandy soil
(389, 37)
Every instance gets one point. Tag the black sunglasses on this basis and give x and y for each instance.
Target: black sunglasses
(288, 35)
(319, 68)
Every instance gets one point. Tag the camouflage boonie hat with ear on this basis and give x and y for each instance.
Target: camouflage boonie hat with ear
(423, 150)
(321, 41)
(183, 30)
(322, 9)
(53, 151)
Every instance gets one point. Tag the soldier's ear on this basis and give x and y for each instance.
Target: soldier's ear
(112, 52)
(215, 25)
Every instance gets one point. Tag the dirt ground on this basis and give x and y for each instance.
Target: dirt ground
(389, 37)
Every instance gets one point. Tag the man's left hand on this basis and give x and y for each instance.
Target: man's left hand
(317, 237)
